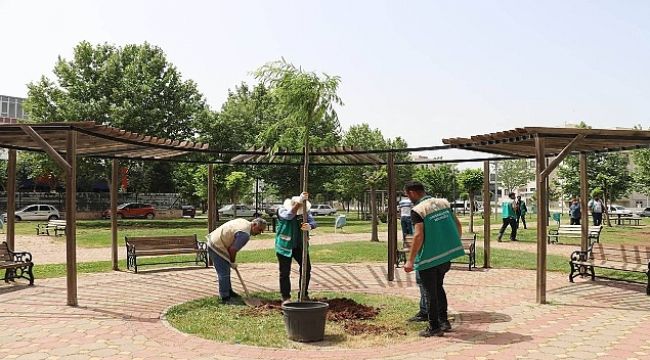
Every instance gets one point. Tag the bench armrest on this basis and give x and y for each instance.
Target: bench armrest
(21, 256)
(130, 248)
(202, 245)
(579, 255)
(553, 231)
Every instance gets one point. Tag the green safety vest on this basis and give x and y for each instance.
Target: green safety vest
(507, 210)
(441, 239)
(287, 236)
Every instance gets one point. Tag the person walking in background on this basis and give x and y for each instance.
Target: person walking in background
(508, 214)
(521, 211)
(574, 212)
(597, 208)
(405, 206)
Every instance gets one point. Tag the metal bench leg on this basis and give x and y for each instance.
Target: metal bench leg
(30, 272)
(593, 273)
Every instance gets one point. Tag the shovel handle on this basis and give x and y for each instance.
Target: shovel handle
(242, 282)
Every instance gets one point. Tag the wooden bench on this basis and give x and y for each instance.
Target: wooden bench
(628, 220)
(16, 264)
(632, 258)
(574, 231)
(469, 245)
(164, 245)
(57, 227)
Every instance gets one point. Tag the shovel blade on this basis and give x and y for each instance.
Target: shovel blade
(253, 302)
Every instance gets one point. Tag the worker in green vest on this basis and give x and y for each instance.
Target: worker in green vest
(292, 221)
(509, 216)
(436, 241)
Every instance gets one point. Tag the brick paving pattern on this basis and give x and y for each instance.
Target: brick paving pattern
(119, 316)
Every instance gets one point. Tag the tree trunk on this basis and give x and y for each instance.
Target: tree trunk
(606, 208)
(471, 212)
(373, 215)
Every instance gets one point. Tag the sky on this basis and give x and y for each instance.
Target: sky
(422, 70)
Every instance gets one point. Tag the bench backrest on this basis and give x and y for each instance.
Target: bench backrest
(57, 222)
(468, 242)
(162, 242)
(577, 229)
(4, 252)
(631, 254)
(408, 241)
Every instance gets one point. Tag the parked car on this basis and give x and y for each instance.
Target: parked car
(188, 210)
(242, 211)
(35, 212)
(272, 209)
(132, 210)
(644, 212)
(617, 210)
(322, 209)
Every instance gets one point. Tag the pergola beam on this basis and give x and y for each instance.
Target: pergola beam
(563, 154)
(70, 218)
(47, 148)
(11, 199)
(542, 215)
(486, 214)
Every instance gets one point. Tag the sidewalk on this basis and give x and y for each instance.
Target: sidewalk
(119, 316)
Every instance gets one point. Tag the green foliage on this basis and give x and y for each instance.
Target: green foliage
(608, 171)
(515, 174)
(439, 181)
(236, 183)
(641, 175)
(471, 180)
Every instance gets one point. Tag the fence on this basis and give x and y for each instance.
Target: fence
(93, 201)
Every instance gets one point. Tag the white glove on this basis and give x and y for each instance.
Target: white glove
(233, 265)
(304, 196)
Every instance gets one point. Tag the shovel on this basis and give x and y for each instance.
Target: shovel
(253, 302)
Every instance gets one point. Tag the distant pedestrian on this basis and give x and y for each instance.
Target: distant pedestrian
(405, 207)
(597, 208)
(521, 212)
(575, 212)
(508, 214)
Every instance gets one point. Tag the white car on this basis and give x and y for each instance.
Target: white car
(618, 210)
(322, 209)
(242, 211)
(35, 212)
(644, 212)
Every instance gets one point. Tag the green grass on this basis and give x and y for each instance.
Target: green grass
(237, 324)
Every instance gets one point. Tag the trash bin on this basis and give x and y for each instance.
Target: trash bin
(305, 321)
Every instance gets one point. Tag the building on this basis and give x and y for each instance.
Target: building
(12, 107)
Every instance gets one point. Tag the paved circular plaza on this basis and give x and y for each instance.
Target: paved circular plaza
(119, 316)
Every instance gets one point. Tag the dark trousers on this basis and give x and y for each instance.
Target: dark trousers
(521, 217)
(407, 226)
(575, 221)
(432, 280)
(598, 218)
(285, 271)
(513, 226)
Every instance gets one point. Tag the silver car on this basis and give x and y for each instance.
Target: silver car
(42, 212)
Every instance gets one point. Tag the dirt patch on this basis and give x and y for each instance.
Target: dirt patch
(342, 310)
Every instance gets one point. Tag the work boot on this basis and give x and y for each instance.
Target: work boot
(445, 326)
(227, 300)
(234, 294)
(429, 332)
(419, 317)
(286, 300)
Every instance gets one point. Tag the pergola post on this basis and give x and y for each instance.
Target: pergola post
(584, 217)
(392, 216)
(114, 186)
(11, 199)
(486, 214)
(212, 211)
(542, 215)
(71, 216)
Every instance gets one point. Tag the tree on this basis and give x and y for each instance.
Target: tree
(471, 180)
(306, 117)
(641, 174)
(514, 174)
(134, 88)
(236, 183)
(439, 180)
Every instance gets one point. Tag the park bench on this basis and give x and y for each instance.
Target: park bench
(16, 264)
(632, 258)
(469, 245)
(53, 227)
(629, 220)
(574, 231)
(164, 245)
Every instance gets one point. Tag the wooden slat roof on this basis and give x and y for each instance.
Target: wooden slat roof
(96, 140)
(322, 156)
(520, 142)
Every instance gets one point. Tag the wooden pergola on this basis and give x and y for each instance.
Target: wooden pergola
(64, 142)
(541, 143)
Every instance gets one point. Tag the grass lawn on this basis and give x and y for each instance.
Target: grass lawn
(238, 324)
